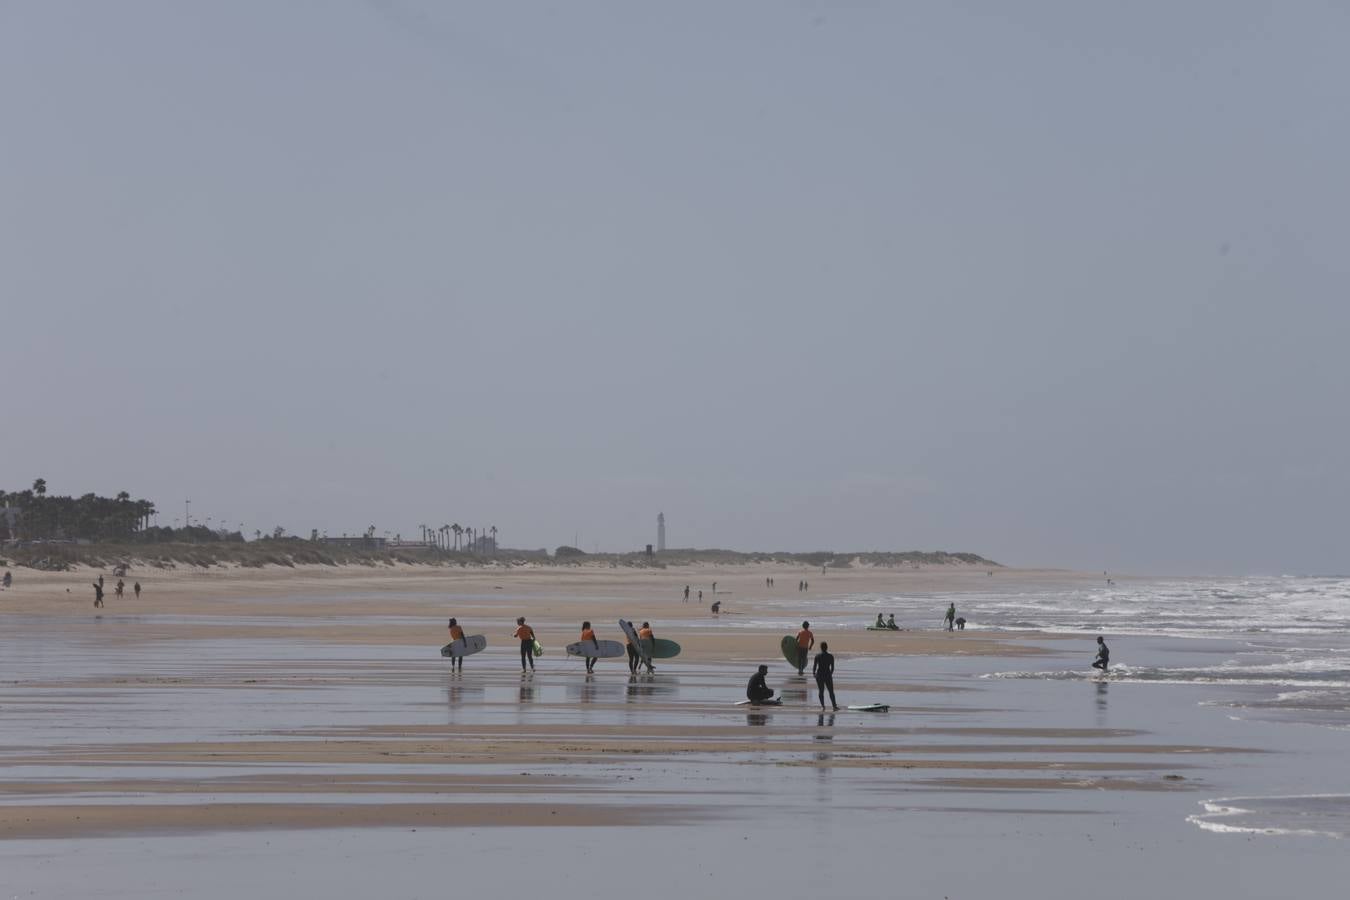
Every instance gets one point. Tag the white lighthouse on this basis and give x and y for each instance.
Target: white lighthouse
(660, 532)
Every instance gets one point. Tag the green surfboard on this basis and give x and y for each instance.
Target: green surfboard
(789, 647)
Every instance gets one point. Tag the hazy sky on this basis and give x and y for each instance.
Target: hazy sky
(1060, 283)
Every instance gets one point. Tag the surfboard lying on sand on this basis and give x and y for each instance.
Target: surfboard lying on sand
(465, 646)
(596, 649)
(883, 628)
(631, 633)
(789, 647)
(776, 701)
(869, 707)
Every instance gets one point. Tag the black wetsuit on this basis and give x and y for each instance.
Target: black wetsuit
(757, 691)
(1103, 657)
(633, 659)
(823, 669)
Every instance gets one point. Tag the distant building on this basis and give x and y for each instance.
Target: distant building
(660, 532)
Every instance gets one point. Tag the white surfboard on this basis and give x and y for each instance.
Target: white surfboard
(776, 701)
(465, 646)
(596, 649)
(870, 707)
(631, 633)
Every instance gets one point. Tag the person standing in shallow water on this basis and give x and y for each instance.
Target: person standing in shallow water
(525, 634)
(950, 619)
(588, 634)
(823, 669)
(1103, 655)
(456, 634)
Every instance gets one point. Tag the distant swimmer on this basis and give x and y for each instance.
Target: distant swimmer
(1103, 655)
(525, 634)
(805, 641)
(960, 623)
(950, 619)
(757, 691)
(648, 639)
(823, 669)
(890, 623)
(98, 592)
(456, 634)
(588, 634)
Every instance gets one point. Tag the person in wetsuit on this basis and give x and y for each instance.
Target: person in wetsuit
(588, 634)
(950, 619)
(756, 691)
(890, 623)
(823, 669)
(456, 634)
(881, 623)
(648, 639)
(1103, 655)
(805, 641)
(525, 634)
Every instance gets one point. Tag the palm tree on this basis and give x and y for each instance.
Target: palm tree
(493, 529)
(424, 533)
(458, 531)
(40, 487)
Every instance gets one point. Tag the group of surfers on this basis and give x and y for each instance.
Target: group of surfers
(528, 643)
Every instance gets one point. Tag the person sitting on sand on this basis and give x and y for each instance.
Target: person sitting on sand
(881, 623)
(805, 641)
(525, 634)
(648, 639)
(1103, 655)
(588, 634)
(757, 691)
(456, 634)
(890, 623)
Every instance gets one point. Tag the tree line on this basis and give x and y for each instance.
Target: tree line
(39, 516)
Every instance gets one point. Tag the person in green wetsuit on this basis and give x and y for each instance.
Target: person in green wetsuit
(950, 620)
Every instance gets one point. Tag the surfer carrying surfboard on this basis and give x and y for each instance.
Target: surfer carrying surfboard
(648, 639)
(525, 634)
(757, 690)
(456, 634)
(805, 641)
(588, 634)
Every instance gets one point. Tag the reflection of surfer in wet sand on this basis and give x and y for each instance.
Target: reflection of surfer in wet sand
(757, 691)
(1103, 655)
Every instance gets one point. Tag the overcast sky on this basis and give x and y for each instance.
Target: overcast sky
(1061, 283)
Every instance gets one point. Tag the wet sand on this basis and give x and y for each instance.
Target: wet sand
(289, 703)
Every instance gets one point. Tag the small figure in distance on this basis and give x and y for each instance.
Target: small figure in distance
(456, 634)
(805, 641)
(881, 623)
(98, 592)
(1103, 655)
(137, 588)
(588, 634)
(700, 595)
(686, 593)
(716, 607)
(960, 623)
(757, 691)
(890, 623)
(823, 669)
(950, 619)
(9, 579)
(633, 656)
(525, 634)
(648, 639)
(121, 586)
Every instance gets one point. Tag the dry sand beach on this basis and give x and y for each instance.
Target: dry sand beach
(217, 728)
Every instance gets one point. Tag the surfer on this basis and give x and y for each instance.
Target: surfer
(950, 619)
(648, 639)
(823, 669)
(525, 634)
(881, 623)
(960, 623)
(456, 634)
(805, 641)
(588, 634)
(1103, 655)
(633, 655)
(890, 623)
(756, 691)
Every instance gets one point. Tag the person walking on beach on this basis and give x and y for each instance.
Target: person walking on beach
(805, 641)
(525, 634)
(700, 595)
(823, 669)
(686, 593)
(757, 690)
(456, 634)
(137, 588)
(9, 579)
(950, 619)
(588, 634)
(633, 656)
(1103, 655)
(121, 586)
(648, 639)
(98, 592)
